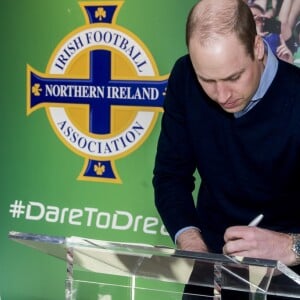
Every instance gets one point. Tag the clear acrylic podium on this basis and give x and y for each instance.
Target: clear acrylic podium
(104, 270)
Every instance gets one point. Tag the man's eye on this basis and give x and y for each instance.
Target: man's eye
(235, 78)
(206, 80)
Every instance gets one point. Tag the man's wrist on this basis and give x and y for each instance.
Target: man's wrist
(191, 239)
(295, 247)
(179, 232)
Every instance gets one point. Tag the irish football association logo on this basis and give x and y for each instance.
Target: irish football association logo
(101, 91)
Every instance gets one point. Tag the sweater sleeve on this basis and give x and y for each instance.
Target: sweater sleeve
(175, 165)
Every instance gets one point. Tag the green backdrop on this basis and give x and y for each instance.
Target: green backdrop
(38, 168)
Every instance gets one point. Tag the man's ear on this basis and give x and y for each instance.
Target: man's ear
(259, 48)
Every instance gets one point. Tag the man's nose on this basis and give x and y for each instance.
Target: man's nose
(223, 92)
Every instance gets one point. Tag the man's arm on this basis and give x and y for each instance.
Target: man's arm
(190, 239)
(175, 164)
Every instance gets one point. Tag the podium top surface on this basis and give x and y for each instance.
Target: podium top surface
(167, 264)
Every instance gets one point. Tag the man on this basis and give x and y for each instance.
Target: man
(271, 35)
(232, 112)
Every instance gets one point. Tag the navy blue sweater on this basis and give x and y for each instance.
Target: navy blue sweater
(248, 165)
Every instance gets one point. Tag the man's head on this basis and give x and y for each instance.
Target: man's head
(226, 52)
(258, 14)
(209, 19)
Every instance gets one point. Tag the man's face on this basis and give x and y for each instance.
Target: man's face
(228, 75)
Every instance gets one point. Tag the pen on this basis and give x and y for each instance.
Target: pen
(256, 220)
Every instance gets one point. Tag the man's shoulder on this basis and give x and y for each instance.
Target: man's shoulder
(288, 77)
(183, 68)
(289, 69)
(183, 61)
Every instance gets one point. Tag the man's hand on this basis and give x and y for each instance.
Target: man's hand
(191, 240)
(256, 242)
(283, 52)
